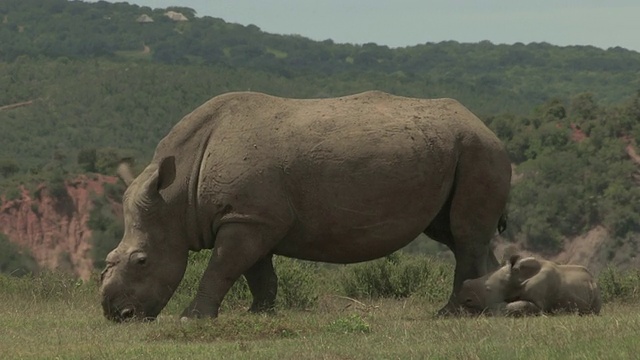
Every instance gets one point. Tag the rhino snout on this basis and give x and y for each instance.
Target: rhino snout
(117, 312)
(127, 313)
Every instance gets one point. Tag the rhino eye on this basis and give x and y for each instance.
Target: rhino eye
(138, 258)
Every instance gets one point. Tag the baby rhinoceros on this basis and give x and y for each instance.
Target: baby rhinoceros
(526, 286)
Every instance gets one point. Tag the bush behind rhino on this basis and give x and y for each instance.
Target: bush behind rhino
(619, 285)
(399, 275)
(300, 283)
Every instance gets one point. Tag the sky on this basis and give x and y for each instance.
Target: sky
(399, 23)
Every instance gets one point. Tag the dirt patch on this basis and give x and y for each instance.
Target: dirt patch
(586, 250)
(589, 250)
(577, 134)
(16, 105)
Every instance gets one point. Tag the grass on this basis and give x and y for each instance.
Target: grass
(325, 312)
(52, 317)
(337, 329)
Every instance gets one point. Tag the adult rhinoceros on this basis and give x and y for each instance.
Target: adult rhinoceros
(339, 180)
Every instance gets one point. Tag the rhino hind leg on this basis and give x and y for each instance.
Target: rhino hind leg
(469, 220)
(472, 259)
(263, 284)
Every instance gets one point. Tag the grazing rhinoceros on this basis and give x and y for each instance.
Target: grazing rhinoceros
(339, 180)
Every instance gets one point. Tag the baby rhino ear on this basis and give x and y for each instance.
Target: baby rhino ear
(527, 267)
(514, 259)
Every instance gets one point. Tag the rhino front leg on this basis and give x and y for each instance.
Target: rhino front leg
(238, 247)
(263, 283)
(521, 308)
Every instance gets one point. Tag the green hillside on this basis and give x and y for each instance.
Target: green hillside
(102, 85)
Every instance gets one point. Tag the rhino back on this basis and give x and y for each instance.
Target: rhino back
(372, 168)
(580, 288)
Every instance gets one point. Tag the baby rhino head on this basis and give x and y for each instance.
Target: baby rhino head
(472, 295)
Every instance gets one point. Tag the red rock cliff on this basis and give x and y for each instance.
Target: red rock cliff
(55, 229)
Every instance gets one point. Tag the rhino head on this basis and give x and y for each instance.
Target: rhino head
(143, 272)
(486, 292)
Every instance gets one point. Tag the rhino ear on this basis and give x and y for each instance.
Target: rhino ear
(166, 172)
(160, 178)
(513, 259)
(527, 267)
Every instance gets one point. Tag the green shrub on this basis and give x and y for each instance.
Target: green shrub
(398, 275)
(437, 286)
(106, 231)
(13, 193)
(15, 260)
(297, 283)
(349, 324)
(48, 286)
(87, 159)
(57, 186)
(8, 166)
(616, 285)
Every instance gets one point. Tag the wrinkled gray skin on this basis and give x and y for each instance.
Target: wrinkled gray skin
(338, 180)
(529, 286)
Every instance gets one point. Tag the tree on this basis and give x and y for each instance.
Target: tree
(584, 107)
(107, 230)
(8, 167)
(87, 159)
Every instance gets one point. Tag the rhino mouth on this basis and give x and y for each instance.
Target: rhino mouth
(127, 314)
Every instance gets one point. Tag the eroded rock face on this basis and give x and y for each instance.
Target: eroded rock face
(55, 229)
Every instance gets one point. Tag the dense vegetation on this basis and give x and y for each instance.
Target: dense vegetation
(15, 260)
(574, 171)
(99, 86)
(107, 228)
